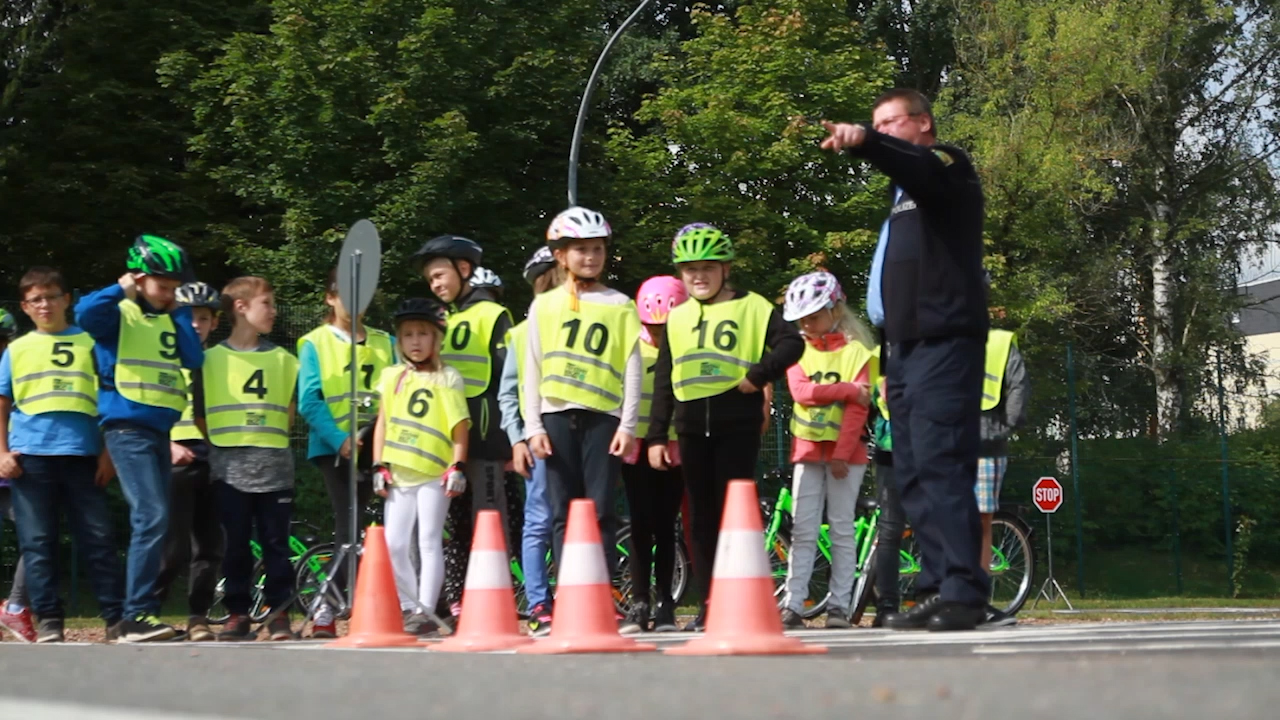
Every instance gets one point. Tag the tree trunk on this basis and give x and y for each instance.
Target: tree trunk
(1163, 354)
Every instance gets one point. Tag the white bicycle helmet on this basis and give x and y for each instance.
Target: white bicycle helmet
(483, 277)
(576, 223)
(810, 293)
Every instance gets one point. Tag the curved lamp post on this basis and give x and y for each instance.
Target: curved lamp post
(575, 148)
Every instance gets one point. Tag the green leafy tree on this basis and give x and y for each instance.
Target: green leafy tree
(724, 142)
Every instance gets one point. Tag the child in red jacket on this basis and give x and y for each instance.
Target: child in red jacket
(830, 389)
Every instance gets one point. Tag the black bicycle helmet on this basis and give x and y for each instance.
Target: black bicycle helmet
(153, 255)
(542, 261)
(422, 309)
(198, 294)
(454, 247)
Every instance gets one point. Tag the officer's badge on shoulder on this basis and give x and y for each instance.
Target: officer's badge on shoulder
(944, 157)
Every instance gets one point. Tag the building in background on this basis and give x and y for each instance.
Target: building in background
(1259, 322)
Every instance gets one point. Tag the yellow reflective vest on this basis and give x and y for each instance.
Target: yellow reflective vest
(649, 358)
(422, 410)
(334, 356)
(466, 344)
(247, 395)
(185, 428)
(999, 343)
(713, 346)
(54, 373)
(822, 423)
(584, 351)
(148, 370)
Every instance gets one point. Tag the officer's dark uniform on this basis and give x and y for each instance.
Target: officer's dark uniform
(935, 329)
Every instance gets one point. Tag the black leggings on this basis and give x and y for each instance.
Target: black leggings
(654, 499)
(892, 522)
(338, 484)
(709, 464)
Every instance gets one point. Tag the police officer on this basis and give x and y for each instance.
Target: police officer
(926, 294)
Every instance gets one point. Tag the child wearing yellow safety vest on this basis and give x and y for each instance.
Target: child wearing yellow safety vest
(544, 275)
(193, 544)
(244, 404)
(831, 390)
(143, 339)
(419, 453)
(721, 349)
(582, 376)
(653, 496)
(476, 346)
(51, 450)
(324, 401)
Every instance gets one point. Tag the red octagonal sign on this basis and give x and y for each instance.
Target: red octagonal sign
(1047, 495)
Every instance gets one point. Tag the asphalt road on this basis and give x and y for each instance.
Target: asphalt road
(1089, 670)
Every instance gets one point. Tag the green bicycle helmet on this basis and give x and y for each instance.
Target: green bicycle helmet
(153, 255)
(8, 325)
(701, 241)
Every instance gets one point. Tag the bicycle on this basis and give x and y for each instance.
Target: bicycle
(1012, 562)
(302, 550)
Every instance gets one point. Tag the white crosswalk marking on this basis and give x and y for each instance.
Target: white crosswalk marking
(1091, 638)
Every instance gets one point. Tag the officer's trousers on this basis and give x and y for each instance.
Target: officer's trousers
(935, 395)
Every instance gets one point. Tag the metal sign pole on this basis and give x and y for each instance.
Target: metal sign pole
(575, 145)
(1050, 590)
(353, 471)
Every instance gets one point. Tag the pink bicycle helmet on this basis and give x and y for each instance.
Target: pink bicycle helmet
(657, 296)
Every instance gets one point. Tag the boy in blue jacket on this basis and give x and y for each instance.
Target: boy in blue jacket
(144, 339)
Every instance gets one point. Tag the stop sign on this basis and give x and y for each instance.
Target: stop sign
(1047, 494)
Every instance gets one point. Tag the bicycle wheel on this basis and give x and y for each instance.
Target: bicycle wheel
(864, 586)
(680, 574)
(1012, 563)
(218, 613)
(819, 581)
(258, 608)
(310, 575)
(908, 568)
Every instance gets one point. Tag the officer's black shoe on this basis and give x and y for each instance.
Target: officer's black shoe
(917, 618)
(953, 616)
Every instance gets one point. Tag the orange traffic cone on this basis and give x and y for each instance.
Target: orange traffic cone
(488, 619)
(583, 620)
(376, 620)
(744, 618)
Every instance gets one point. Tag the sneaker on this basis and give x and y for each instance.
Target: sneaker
(998, 618)
(18, 623)
(419, 624)
(699, 623)
(198, 629)
(281, 629)
(114, 631)
(838, 619)
(540, 620)
(664, 618)
(323, 625)
(637, 621)
(146, 628)
(50, 631)
(791, 619)
(235, 629)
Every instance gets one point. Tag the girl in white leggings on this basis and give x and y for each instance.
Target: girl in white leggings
(422, 423)
(829, 386)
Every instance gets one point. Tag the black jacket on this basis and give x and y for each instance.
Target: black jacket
(731, 411)
(931, 283)
(488, 440)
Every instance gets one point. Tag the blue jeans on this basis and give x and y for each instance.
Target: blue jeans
(49, 483)
(536, 539)
(141, 456)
